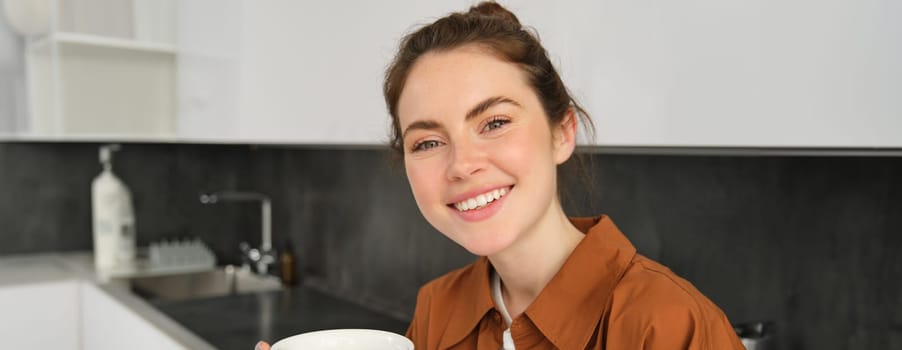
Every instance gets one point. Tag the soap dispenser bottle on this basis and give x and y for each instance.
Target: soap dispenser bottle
(113, 217)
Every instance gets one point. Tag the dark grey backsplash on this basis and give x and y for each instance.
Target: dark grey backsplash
(811, 243)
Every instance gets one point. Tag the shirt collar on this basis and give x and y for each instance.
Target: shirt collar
(470, 309)
(581, 289)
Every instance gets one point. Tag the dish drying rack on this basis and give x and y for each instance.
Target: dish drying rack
(168, 257)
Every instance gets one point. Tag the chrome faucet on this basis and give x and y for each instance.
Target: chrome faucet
(265, 256)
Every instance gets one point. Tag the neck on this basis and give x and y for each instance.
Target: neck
(527, 266)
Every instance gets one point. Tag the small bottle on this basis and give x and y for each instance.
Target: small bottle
(287, 265)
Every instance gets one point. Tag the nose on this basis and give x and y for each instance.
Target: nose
(467, 159)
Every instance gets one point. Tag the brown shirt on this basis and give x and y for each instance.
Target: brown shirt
(604, 297)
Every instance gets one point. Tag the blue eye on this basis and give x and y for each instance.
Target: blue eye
(495, 124)
(425, 145)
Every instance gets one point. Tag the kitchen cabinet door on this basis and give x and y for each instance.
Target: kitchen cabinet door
(759, 74)
(290, 71)
(40, 315)
(109, 325)
(73, 315)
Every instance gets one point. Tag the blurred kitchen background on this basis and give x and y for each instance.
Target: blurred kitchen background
(755, 148)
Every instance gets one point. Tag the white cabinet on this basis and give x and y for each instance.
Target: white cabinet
(90, 86)
(98, 68)
(72, 314)
(291, 71)
(107, 324)
(40, 315)
(770, 74)
(701, 73)
(697, 73)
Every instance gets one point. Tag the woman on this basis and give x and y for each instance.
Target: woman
(483, 120)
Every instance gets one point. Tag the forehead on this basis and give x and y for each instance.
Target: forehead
(448, 83)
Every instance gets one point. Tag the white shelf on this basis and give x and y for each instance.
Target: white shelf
(103, 42)
(89, 84)
(102, 68)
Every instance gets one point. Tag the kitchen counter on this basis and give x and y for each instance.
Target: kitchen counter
(75, 268)
(238, 322)
(228, 322)
(48, 267)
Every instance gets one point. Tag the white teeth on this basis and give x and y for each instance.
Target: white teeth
(480, 200)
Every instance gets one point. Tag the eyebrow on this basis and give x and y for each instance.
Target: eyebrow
(475, 111)
(489, 103)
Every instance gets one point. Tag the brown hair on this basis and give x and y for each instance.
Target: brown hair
(494, 28)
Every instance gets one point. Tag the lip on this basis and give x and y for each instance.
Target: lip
(484, 212)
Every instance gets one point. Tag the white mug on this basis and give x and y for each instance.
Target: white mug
(345, 339)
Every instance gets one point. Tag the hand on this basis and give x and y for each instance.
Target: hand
(261, 345)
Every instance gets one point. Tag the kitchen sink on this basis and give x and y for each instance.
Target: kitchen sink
(220, 281)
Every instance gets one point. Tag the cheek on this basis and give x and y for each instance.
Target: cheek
(529, 151)
(422, 179)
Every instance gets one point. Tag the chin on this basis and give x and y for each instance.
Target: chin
(487, 240)
(482, 251)
(484, 246)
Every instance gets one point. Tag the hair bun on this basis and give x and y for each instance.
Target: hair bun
(493, 9)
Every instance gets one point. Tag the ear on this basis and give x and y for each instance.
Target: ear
(564, 137)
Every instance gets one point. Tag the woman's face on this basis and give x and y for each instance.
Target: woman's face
(479, 153)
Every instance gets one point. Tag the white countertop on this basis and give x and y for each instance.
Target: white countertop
(51, 267)
(46, 267)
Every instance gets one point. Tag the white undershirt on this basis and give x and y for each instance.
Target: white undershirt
(507, 342)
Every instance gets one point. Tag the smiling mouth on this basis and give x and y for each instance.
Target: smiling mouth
(482, 200)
